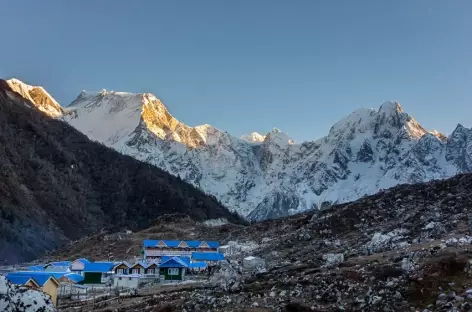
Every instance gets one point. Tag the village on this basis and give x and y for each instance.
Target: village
(161, 263)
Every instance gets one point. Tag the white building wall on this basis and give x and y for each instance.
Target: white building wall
(126, 281)
(226, 250)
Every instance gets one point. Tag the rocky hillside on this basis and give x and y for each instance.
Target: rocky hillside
(408, 248)
(57, 185)
(263, 177)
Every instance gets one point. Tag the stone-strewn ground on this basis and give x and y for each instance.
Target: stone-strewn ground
(405, 249)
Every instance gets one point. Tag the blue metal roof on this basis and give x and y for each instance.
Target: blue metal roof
(40, 277)
(150, 243)
(34, 273)
(207, 256)
(144, 264)
(193, 243)
(60, 263)
(57, 269)
(171, 243)
(98, 267)
(122, 262)
(175, 243)
(36, 268)
(213, 244)
(76, 278)
(173, 262)
(195, 265)
(184, 259)
(18, 279)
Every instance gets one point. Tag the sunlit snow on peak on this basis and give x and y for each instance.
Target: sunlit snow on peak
(253, 137)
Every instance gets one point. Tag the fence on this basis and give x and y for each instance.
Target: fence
(78, 295)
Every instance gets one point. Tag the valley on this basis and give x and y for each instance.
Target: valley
(405, 249)
(236, 156)
(373, 217)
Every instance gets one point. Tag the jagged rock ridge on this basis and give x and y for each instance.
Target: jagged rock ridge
(37, 96)
(120, 113)
(270, 176)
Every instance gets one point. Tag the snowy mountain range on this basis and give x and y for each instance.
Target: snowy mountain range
(268, 176)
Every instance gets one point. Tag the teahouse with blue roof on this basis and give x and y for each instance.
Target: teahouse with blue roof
(122, 268)
(173, 269)
(209, 258)
(137, 268)
(45, 280)
(37, 268)
(78, 265)
(155, 249)
(24, 280)
(57, 266)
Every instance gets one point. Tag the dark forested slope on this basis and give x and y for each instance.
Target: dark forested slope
(57, 185)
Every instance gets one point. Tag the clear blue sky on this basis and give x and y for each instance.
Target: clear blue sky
(251, 65)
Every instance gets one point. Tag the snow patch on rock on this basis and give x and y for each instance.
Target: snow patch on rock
(15, 298)
(227, 276)
(384, 242)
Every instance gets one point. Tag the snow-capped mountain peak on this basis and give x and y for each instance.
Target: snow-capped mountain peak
(270, 176)
(119, 114)
(40, 98)
(279, 138)
(390, 107)
(253, 137)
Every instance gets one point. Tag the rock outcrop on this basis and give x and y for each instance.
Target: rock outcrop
(14, 298)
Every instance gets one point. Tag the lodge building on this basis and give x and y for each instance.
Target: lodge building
(155, 249)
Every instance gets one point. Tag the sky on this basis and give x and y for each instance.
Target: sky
(251, 65)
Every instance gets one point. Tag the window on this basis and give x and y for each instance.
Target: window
(151, 271)
(173, 271)
(120, 271)
(136, 271)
